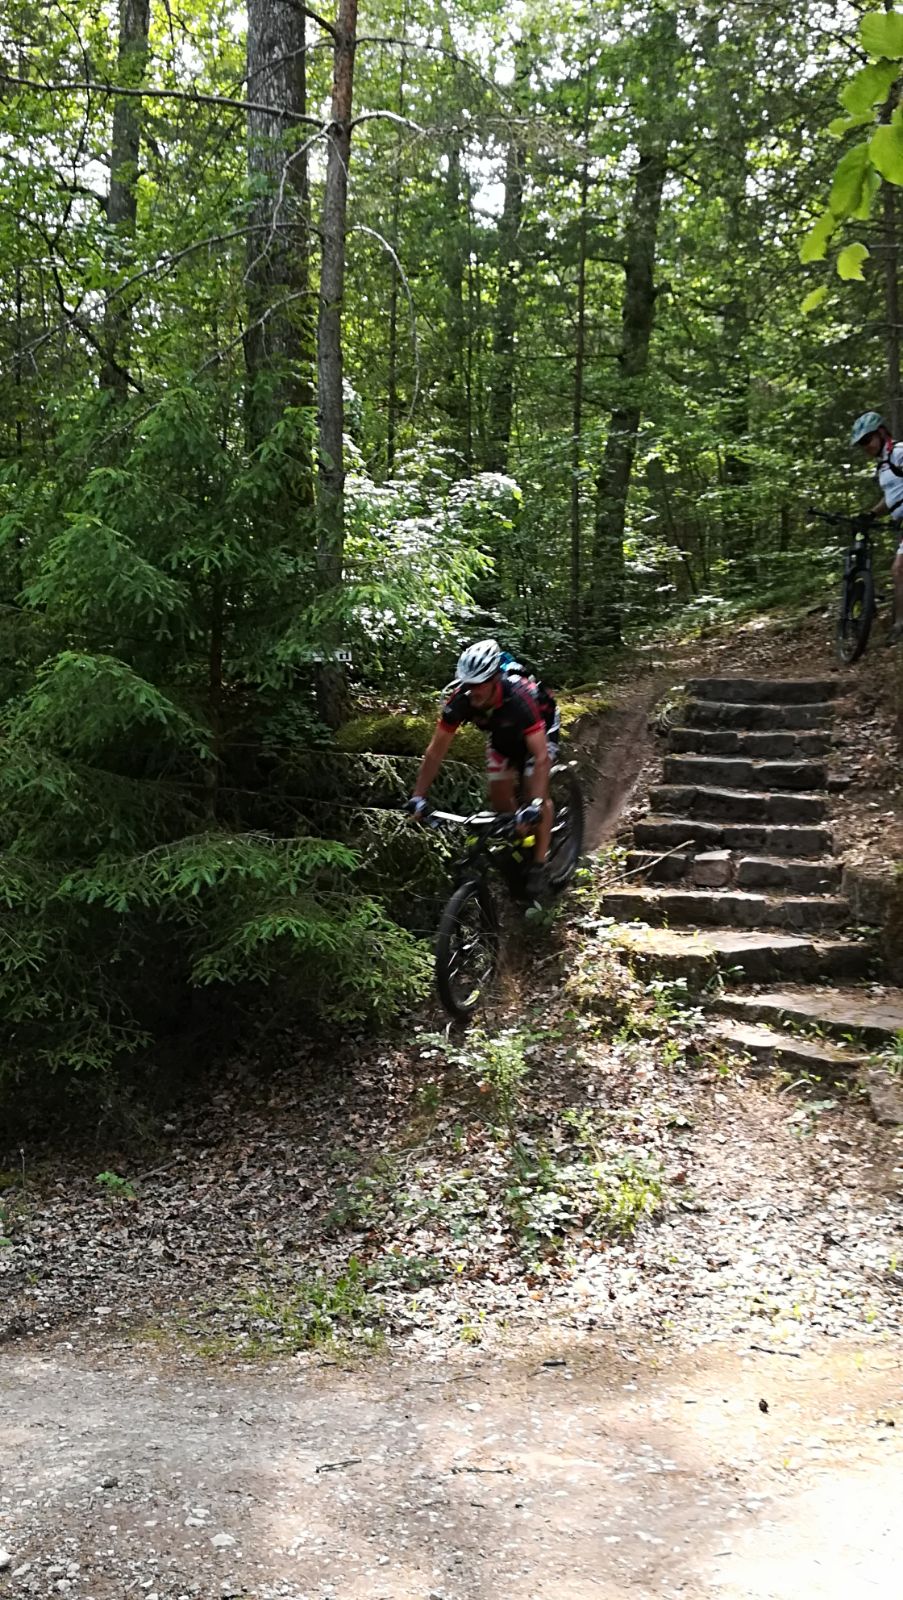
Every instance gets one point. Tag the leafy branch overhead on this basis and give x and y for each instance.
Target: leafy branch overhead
(871, 95)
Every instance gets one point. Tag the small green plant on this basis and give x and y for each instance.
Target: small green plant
(553, 1198)
(315, 1311)
(497, 1063)
(115, 1185)
(428, 1097)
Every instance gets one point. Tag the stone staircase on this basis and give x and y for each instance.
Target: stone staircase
(733, 873)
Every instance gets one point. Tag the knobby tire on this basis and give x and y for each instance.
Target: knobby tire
(470, 900)
(568, 798)
(856, 617)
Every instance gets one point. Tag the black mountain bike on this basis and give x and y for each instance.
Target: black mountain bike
(857, 595)
(468, 946)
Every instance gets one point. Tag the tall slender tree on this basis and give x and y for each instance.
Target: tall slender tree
(332, 692)
(122, 199)
(279, 341)
(504, 336)
(637, 319)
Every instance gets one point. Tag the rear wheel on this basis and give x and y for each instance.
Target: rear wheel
(566, 845)
(467, 950)
(857, 614)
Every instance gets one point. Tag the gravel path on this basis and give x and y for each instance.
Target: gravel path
(606, 1471)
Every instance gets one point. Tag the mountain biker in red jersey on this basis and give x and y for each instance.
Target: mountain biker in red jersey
(871, 432)
(522, 723)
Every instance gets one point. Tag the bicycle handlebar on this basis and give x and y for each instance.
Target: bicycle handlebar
(498, 822)
(860, 519)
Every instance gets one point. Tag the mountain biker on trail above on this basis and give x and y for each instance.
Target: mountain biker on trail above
(871, 432)
(523, 725)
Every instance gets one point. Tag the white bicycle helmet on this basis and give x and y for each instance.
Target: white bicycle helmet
(869, 422)
(478, 662)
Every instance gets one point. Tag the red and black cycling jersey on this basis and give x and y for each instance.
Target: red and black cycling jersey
(512, 715)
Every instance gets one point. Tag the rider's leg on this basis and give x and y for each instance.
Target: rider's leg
(502, 782)
(535, 791)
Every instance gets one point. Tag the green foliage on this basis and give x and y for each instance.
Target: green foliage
(886, 150)
(315, 1311)
(850, 260)
(403, 734)
(555, 1198)
(116, 1185)
(496, 1063)
(870, 86)
(881, 34)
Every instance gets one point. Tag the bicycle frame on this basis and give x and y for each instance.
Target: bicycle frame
(857, 607)
(492, 836)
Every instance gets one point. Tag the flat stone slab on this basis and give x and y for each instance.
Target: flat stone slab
(778, 872)
(786, 746)
(665, 832)
(873, 1018)
(738, 805)
(754, 957)
(721, 714)
(729, 907)
(781, 1049)
(739, 772)
(770, 691)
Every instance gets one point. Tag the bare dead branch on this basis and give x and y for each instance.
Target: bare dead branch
(189, 96)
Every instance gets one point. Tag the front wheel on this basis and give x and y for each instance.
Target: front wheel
(467, 950)
(568, 825)
(857, 613)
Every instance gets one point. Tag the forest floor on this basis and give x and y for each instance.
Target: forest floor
(574, 1307)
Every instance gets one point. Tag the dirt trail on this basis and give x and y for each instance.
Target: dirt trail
(573, 1474)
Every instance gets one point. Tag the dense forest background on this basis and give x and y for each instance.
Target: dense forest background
(330, 341)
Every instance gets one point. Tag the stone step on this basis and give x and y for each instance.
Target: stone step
(788, 746)
(718, 714)
(658, 867)
(737, 805)
(659, 833)
(725, 908)
(739, 772)
(768, 691)
(775, 1049)
(750, 957)
(717, 868)
(776, 872)
(874, 1018)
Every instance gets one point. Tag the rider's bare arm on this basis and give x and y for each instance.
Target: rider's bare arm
(538, 748)
(433, 757)
(882, 509)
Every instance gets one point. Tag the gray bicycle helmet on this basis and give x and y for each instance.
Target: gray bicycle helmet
(869, 422)
(478, 662)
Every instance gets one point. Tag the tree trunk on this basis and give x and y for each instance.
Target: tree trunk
(892, 310)
(501, 399)
(454, 389)
(122, 200)
(579, 360)
(392, 386)
(638, 316)
(279, 340)
(331, 687)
